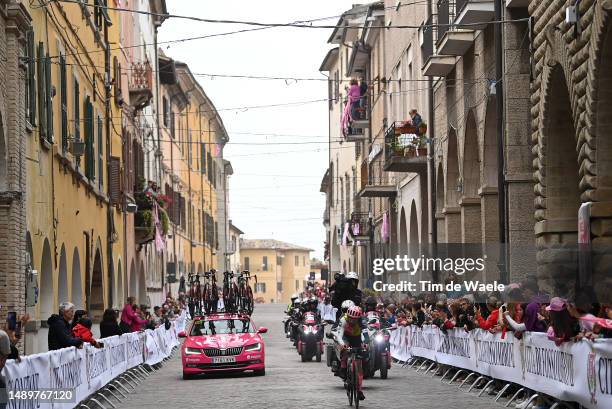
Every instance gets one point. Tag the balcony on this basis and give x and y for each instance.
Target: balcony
(355, 130)
(383, 186)
(435, 65)
(450, 40)
(360, 226)
(475, 11)
(405, 148)
(517, 3)
(141, 85)
(144, 219)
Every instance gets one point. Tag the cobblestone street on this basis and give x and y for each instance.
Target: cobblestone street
(290, 383)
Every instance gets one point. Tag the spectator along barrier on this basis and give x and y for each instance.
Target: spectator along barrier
(574, 371)
(82, 372)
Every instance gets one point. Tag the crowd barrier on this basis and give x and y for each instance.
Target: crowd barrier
(86, 370)
(575, 371)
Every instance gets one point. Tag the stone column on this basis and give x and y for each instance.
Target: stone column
(471, 223)
(452, 219)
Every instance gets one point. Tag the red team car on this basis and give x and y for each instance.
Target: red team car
(221, 343)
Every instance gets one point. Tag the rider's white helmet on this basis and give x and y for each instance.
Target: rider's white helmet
(346, 304)
(352, 276)
(295, 296)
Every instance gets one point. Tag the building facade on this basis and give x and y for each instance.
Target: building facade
(280, 268)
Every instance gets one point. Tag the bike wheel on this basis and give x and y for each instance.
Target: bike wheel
(355, 385)
(349, 381)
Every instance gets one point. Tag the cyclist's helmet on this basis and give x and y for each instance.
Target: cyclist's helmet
(354, 312)
(314, 300)
(298, 301)
(294, 297)
(346, 304)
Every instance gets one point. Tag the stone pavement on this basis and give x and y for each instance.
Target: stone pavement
(291, 384)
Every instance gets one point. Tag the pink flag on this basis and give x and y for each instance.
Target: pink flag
(160, 244)
(384, 231)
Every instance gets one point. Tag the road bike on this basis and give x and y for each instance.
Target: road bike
(353, 368)
(245, 292)
(230, 292)
(211, 292)
(194, 294)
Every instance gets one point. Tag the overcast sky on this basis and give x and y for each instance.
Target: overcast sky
(274, 192)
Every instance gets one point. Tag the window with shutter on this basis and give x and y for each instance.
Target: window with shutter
(49, 98)
(77, 116)
(203, 158)
(88, 120)
(64, 102)
(100, 154)
(31, 79)
(42, 98)
(115, 179)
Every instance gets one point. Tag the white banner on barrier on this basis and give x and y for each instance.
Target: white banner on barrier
(84, 371)
(574, 371)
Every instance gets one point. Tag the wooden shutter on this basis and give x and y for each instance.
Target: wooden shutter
(42, 99)
(49, 100)
(89, 140)
(100, 154)
(203, 158)
(115, 179)
(31, 78)
(64, 102)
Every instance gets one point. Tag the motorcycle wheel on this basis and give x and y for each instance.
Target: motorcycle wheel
(303, 355)
(318, 356)
(383, 370)
(328, 355)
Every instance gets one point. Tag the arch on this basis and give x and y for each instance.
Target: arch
(96, 295)
(47, 302)
(471, 159)
(62, 281)
(29, 251)
(76, 288)
(603, 118)
(561, 161)
(489, 150)
(414, 224)
(133, 286)
(142, 284)
(452, 171)
(440, 188)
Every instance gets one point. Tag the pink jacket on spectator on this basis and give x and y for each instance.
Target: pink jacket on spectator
(129, 317)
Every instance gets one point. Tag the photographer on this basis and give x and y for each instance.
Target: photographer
(345, 288)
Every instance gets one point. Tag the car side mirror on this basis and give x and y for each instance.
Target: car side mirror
(262, 330)
(182, 334)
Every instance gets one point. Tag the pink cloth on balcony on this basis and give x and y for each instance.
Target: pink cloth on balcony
(160, 244)
(353, 96)
(345, 236)
(384, 231)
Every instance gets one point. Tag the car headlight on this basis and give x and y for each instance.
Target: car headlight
(379, 338)
(193, 351)
(254, 347)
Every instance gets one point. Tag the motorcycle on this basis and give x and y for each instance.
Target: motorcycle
(310, 338)
(379, 358)
(287, 324)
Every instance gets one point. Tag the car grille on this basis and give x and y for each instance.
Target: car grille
(223, 352)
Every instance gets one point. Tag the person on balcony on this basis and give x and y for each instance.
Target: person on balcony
(354, 96)
(415, 118)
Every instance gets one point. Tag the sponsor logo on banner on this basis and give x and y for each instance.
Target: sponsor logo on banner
(68, 374)
(495, 353)
(549, 363)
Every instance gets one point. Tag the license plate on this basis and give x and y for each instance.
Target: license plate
(223, 359)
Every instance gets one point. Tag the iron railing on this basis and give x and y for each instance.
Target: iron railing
(399, 143)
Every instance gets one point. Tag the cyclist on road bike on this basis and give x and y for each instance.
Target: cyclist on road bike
(352, 329)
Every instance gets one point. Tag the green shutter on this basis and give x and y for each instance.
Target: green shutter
(48, 92)
(100, 154)
(42, 99)
(64, 102)
(89, 140)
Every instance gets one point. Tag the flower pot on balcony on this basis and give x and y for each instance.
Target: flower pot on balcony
(144, 228)
(413, 152)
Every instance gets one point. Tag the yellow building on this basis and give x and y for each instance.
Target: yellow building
(280, 267)
(192, 140)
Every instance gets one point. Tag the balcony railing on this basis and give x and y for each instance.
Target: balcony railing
(406, 148)
(141, 85)
(355, 129)
(360, 226)
(427, 47)
(444, 18)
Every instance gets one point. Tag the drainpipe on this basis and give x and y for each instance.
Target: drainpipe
(431, 168)
(501, 182)
(110, 222)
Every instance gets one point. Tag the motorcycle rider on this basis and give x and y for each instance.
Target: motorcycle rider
(345, 288)
(352, 329)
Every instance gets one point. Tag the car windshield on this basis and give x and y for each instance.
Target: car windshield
(221, 326)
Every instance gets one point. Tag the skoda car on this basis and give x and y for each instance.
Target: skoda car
(221, 343)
